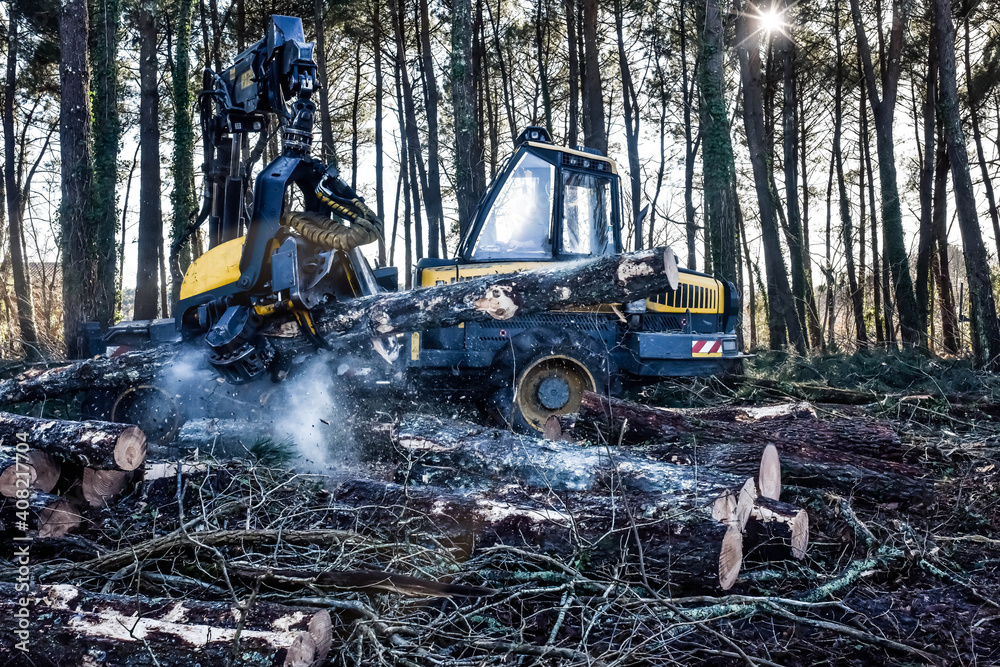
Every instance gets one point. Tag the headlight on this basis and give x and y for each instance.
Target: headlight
(729, 346)
(636, 306)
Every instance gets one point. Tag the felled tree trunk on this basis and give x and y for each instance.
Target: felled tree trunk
(612, 278)
(836, 455)
(97, 445)
(456, 453)
(66, 623)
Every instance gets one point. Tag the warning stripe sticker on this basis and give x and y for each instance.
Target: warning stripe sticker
(706, 348)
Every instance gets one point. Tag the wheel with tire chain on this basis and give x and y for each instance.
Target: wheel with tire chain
(543, 372)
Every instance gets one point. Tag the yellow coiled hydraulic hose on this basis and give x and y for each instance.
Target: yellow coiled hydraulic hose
(333, 234)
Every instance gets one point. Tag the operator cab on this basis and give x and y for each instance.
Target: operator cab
(548, 202)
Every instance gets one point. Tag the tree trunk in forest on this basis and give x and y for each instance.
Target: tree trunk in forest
(985, 328)
(182, 163)
(543, 27)
(574, 74)
(379, 142)
(925, 242)
(19, 265)
(798, 250)
(718, 164)
(417, 175)
(753, 273)
(781, 309)
(977, 137)
(847, 229)
(865, 169)
(150, 233)
(594, 133)
(105, 24)
(883, 108)
(432, 193)
(79, 261)
(632, 120)
(468, 147)
(327, 150)
(690, 149)
(942, 270)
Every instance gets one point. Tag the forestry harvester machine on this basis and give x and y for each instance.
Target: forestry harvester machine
(547, 204)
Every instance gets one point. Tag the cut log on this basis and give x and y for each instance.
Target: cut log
(44, 514)
(47, 468)
(15, 471)
(103, 487)
(680, 540)
(611, 278)
(94, 444)
(460, 454)
(730, 557)
(125, 370)
(128, 631)
(850, 456)
(783, 521)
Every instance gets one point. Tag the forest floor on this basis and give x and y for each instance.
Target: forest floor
(882, 583)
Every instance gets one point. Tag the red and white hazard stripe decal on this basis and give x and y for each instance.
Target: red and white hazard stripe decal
(706, 348)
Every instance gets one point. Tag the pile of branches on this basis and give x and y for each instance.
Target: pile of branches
(411, 559)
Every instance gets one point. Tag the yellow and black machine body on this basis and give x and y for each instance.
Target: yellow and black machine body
(264, 259)
(554, 204)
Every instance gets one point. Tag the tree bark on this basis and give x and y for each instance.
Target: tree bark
(781, 309)
(632, 122)
(977, 137)
(104, 38)
(468, 147)
(925, 243)
(574, 74)
(68, 622)
(94, 444)
(847, 228)
(79, 261)
(327, 150)
(150, 237)
(19, 267)
(182, 163)
(718, 164)
(432, 192)
(883, 108)
(848, 455)
(379, 142)
(985, 326)
(942, 269)
(594, 133)
(798, 248)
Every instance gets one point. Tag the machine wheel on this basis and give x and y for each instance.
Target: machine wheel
(544, 372)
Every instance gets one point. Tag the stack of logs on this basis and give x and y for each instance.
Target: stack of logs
(50, 467)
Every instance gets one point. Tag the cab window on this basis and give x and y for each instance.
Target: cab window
(519, 222)
(587, 212)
